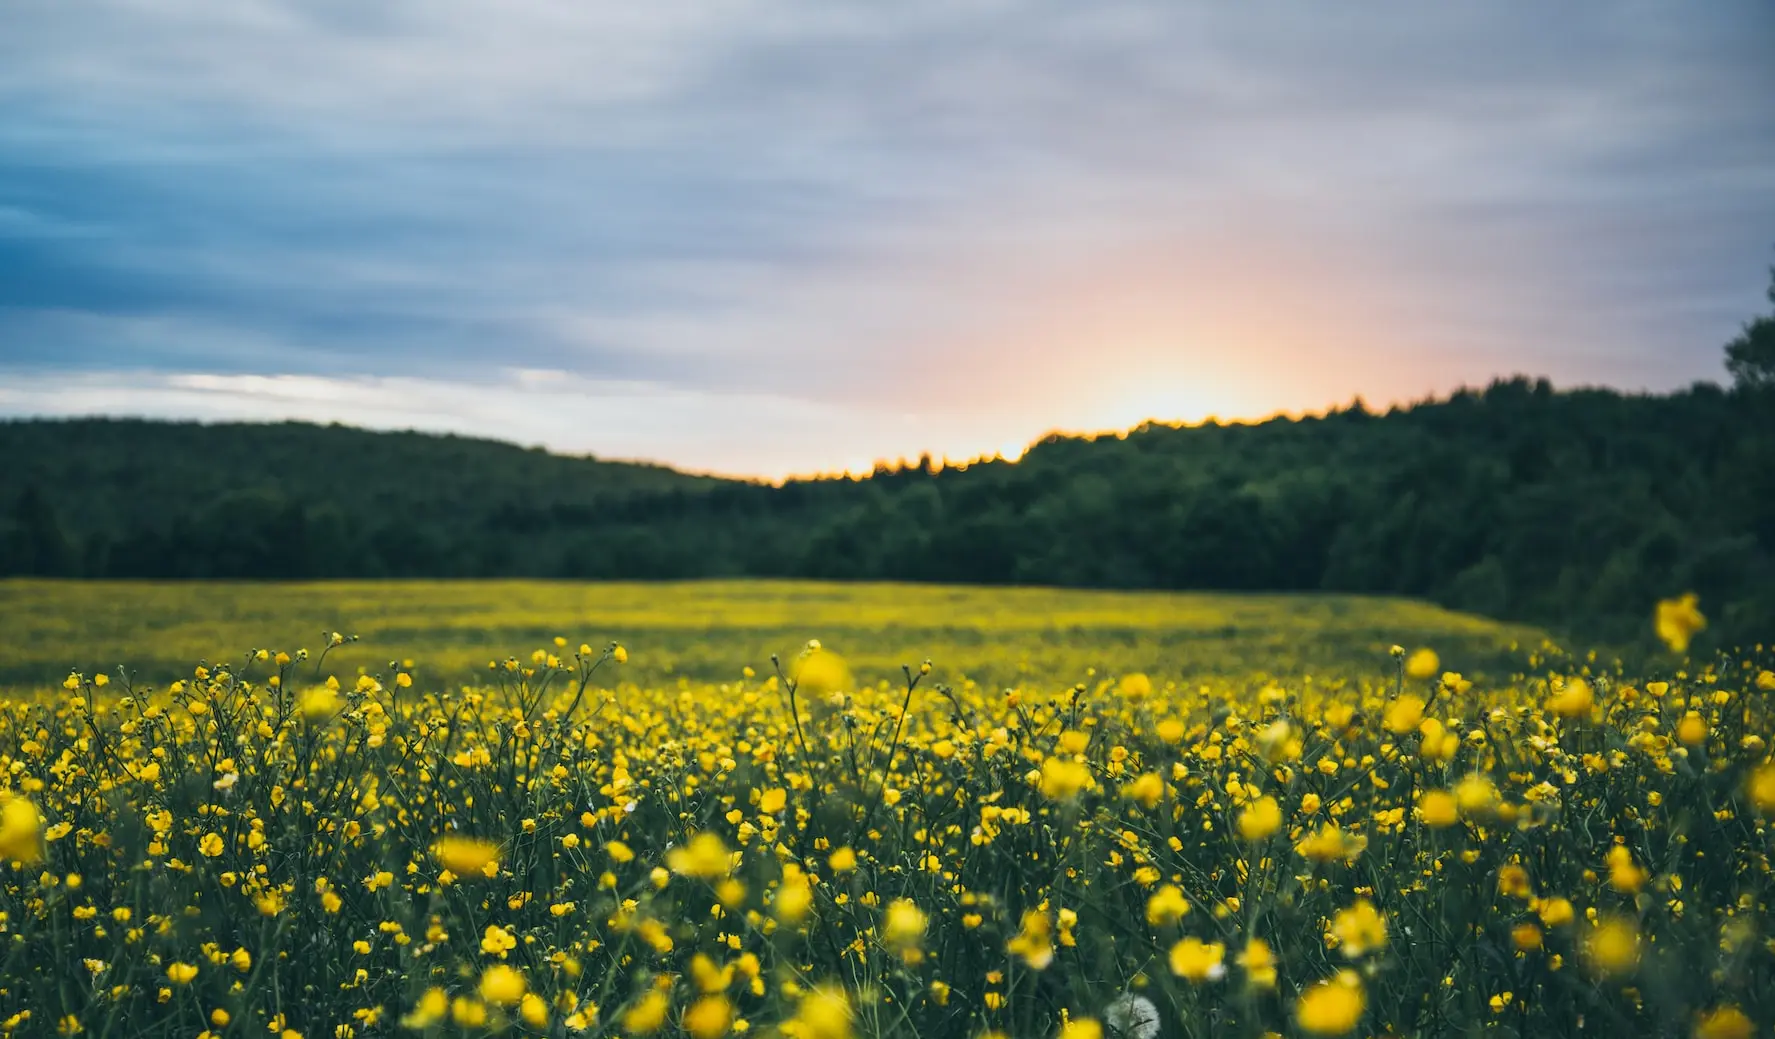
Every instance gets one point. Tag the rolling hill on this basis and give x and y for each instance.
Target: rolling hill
(1573, 509)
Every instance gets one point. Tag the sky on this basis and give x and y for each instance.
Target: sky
(764, 238)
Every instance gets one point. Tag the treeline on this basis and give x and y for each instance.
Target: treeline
(1576, 509)
(132, 498)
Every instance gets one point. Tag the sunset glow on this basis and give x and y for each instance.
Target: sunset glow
(862, 236)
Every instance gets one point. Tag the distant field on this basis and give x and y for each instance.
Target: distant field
(713, 629)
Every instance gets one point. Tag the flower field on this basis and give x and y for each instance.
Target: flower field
(1085, 816)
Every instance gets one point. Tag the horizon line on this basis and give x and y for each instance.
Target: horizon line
(924, 459)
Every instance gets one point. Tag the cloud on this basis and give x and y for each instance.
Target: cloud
(1016, 215)
(742, 433)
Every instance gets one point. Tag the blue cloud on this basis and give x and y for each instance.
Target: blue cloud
(845, 204)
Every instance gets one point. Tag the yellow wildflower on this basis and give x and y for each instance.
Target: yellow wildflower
(705, 857)
(21, 829)
(465, 856)
(647, 1014)
(1198, 961)
(1612, 947)
(1359, 929)
(1677, 621)
(1424, 663)
(502, 986)
(1260, 819)
(1333, 1006)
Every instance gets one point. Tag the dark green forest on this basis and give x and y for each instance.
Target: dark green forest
(1576, 509)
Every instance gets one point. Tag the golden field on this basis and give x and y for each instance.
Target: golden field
(1089, 814)
(711, 629)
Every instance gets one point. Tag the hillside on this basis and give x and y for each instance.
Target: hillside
(1572, 509)
(136, 498)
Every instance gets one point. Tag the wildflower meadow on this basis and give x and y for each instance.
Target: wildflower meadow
(283, 843)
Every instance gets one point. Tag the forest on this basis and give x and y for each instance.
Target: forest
(1574, 509)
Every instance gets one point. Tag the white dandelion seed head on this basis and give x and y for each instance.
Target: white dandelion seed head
(1129, 1016)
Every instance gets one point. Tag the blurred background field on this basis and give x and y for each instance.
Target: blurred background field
(710, 630)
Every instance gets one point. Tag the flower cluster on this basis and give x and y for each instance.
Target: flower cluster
(262, 848)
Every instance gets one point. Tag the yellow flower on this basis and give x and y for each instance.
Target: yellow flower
(1260, 819)
(1762, 789)
(319, 704)
(1166, 906)
(1259, 963)
(619, 852)
(210, 845)
(1575, 699)
(497, 941)
(1404, 714)
(1135, 686)
(705, 857)
(795, 895)
(903, 924)
(21, 830)
(532, 1008)
(1331, 842)
(1359, 929)
(820, 673)
(709, 1018)
(502, 986)
(1678, 620)
(1554, 912)
(1034, 941)
(771, 801)
(1423, 664)
(1062, 779)
(1081, 1028)
(1438, 809)
(1691, 731)
(824, 1013)
(1197, 960)
(1333, 1006)
(843, 860)
(1612, 947)
(465, 856)
(430, 1010)
(1727, 1022)
(647, 1014)
(1624, 876)
(181, 973)
(1148, 789)
(1476, 796)
(1513, 881)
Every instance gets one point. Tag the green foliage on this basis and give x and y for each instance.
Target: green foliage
(1750, 358)
(1570, 509)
